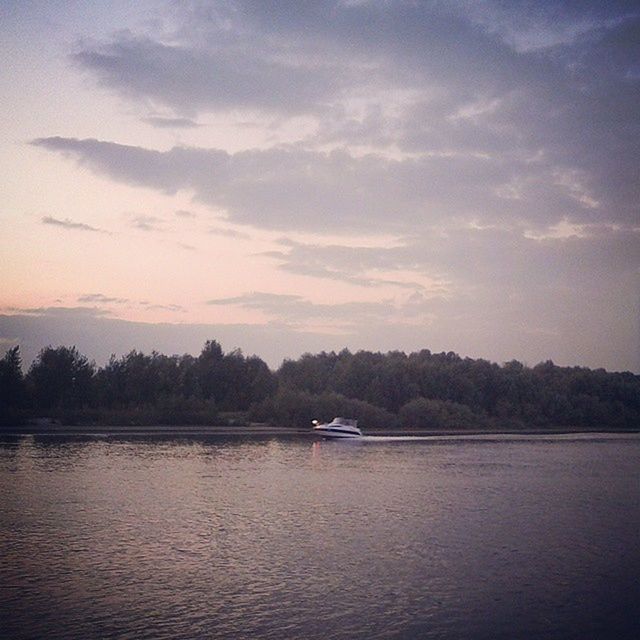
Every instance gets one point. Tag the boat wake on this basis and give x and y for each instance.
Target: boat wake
(395, 438)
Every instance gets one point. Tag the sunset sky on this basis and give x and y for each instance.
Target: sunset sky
(301, 176)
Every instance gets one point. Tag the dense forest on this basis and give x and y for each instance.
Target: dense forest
(421, 390)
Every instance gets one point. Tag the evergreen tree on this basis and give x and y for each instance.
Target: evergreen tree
(12, 385)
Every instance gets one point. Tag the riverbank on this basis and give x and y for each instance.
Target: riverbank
(265, 430)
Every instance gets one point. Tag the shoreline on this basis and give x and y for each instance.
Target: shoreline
(268, 431)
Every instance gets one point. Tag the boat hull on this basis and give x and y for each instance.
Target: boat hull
(336, 433)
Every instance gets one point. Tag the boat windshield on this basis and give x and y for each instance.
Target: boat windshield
(347, 422)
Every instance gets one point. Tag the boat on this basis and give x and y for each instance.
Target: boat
(338, 428)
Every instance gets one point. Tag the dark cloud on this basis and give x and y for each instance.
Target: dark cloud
(293, 189)
(70, 224)
(189, 79)
(519, 110)
(179, 168)
(537, 26)
(182, 213)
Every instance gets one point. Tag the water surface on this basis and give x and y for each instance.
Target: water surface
(485, 537)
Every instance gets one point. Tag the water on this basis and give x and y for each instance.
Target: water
(495, 537)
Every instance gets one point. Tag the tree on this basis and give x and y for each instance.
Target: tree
(423, 413)
(12, 384)
(209, 371)
(61, 378)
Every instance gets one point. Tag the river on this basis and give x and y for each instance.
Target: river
(286, 537)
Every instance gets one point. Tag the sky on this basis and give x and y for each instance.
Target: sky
(298, 176)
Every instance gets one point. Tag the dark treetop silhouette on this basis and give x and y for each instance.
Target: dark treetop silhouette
(419, 390)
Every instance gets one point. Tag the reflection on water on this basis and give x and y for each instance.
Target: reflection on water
(287, 538)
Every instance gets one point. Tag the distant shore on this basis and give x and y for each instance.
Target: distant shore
(256, 429)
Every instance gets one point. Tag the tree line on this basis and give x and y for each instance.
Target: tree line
(421, 390)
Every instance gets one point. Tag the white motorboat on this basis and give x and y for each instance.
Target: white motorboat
(338, 428)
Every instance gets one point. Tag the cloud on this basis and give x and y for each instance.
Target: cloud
(161, 122)
(189, 79)
(60, 312)
(296, 189)
(482, 259)
(324, 262)
(89, 312)
(527, 26)
(228, 233)
(101, 299)
(147, 223)
(288, 59)
(299, 311)
(433, 110)
(164, 307)
(70, 224)
(179, 168)
(259, 300)
(182, 213)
